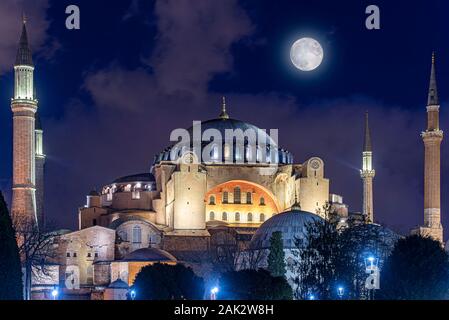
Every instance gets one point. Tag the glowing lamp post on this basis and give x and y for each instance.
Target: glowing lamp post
(340, 292)
(213, 293)
(133, 294)
(312, 297)
(54, 293)
(372, 282)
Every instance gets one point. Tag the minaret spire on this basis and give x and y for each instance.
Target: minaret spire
(432, 138)
(367, 140)
(367, 173)
(223, 114)
(432, 99)
(24, 56)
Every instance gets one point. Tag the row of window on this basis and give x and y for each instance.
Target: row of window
(137, 235)
(89, 255)
(134, 195)
(237, 216)
(237, 197)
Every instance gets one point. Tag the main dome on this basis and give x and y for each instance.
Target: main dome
(242, 148)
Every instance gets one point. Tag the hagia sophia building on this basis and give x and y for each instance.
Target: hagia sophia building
(187, 206)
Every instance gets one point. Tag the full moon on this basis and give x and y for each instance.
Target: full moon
(306, 54)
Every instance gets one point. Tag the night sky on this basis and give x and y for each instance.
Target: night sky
(110, 93)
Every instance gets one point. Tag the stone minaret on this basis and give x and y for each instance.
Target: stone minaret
(40, 168)
(367, 173)
(24, 107)
(432, 138)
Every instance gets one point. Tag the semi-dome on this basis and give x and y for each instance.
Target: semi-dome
(149, 255)
(291, 223)
(140, 177)
(94, 193)
(273, 154)
(135, 182)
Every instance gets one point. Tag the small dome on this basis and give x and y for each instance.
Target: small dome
(149, 254)
(118, 284)
(292, 224)
(140, 177)
(94, 193)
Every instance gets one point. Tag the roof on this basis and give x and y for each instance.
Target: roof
(24, 56)
(292, 224)
(140, 177)
(117, 222)
(149, 254)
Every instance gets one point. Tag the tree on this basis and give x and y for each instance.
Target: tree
(168, 282)
(316, 258)
(276, 257)
(36, 249)
(10, 269)
(332, 255)
(418, 268)
(254, 285)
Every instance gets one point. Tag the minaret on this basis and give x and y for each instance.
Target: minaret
(24, 107)
(432, 138)
(367, 173)
(40, 169)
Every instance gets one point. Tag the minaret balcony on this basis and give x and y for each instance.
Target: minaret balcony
(433, 135)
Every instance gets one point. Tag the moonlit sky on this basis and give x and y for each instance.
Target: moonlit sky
(111, 92)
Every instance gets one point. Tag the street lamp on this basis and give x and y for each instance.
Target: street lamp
(312, 297)
(372, 281)
(213, 293)
(54, 293)
(340, 292)
(133, 294)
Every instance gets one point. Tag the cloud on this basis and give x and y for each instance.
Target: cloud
(10, 28)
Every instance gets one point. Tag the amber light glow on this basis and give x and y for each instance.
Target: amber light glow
(240, 202)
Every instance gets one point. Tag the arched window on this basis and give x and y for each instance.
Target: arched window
(224, 216)
(211, 215)
(248, 198)
(237, 216)
(250, 217)
(248, 154)
(227, 152)
(123, 235)
(211, 200)
(262, 201)
(258, 154)
(214, 153)
(225, 197)
(137, 234)
(262, 217)
(237, 195)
